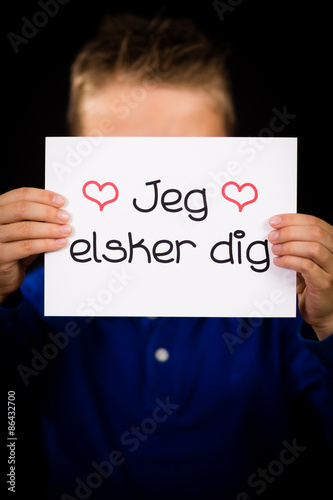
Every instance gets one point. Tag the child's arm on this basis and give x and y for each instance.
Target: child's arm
(305, 244)
(31, 222)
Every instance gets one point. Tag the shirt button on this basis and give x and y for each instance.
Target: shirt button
(162, 355)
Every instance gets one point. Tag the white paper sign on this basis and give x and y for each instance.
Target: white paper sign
(170, 226)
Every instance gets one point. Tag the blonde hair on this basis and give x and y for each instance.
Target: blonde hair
(128, 48)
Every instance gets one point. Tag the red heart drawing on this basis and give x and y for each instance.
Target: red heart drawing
(100, 187)
(240, 188)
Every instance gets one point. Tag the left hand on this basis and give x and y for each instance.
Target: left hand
(304, 243)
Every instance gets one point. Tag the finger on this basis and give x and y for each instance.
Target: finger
(32, 230)
(311, 272)
(300, 284)
(317, 252)
(18, 250)
(43, 196)
(282, 220)
(314, 233)
(30, 210)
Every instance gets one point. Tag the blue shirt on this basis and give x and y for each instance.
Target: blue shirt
(139, 408)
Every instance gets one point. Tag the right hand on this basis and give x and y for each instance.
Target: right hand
(31, 222)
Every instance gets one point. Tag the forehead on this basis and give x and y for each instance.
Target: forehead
(138, 110)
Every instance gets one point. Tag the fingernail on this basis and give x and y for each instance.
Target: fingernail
(276, 248)
(275, 221)
(65, 229)
(273, 236)
(58, 199)
(61, 241)
(62, 215)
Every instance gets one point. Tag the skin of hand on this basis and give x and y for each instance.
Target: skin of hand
(31, 222)
(304, 243)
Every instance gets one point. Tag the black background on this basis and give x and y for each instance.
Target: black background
(281, 59)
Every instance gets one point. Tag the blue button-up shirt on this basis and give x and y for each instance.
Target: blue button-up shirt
(162, 408)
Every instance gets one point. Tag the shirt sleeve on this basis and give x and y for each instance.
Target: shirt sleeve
(322, 351)
(11, 306)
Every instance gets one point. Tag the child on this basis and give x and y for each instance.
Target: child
(139, 408)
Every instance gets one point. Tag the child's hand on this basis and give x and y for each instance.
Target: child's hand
(305, 244)
(30, 223)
